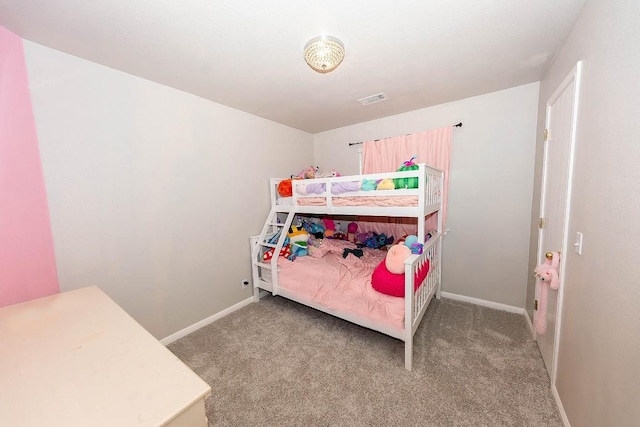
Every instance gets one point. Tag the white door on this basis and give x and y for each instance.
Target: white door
(555, 201)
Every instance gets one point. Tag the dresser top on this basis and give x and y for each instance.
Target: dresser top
(78, 359)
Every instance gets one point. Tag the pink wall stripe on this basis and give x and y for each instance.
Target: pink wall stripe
(27, 260)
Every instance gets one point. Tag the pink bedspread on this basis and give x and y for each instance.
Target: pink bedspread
(384, 201)
(342, 284)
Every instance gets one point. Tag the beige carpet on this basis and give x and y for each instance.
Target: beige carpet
(278, 363)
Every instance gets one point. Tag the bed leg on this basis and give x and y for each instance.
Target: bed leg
(408, 353)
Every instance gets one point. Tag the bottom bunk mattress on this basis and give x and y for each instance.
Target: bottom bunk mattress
(341, 281)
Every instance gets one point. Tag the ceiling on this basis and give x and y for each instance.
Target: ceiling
(248, 54)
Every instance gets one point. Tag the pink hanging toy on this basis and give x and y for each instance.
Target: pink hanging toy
(548, 275)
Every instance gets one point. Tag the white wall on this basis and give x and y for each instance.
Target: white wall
(486, 252)
(599, 354)
(153, 192)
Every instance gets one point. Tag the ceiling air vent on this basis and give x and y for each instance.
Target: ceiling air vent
(378, 97)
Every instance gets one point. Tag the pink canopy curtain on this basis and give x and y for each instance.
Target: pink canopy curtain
(432, 147)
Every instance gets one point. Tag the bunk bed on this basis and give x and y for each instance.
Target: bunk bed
(340, 285)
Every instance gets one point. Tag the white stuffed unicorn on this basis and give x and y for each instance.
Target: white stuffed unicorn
(332, 173)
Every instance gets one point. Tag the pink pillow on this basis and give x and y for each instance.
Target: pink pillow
(396, 256)
(388, 283)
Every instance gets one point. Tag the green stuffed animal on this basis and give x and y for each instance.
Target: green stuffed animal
(412, 182)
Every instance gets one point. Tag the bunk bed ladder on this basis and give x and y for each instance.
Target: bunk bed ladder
(265, 273)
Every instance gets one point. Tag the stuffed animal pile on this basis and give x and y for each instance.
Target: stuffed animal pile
(296, 244)
(308, 233)
(285, 186)
(307, 173)
(373, 240)
(411, 241)
(377, 184)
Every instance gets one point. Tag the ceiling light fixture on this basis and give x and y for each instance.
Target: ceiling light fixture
(324, 53)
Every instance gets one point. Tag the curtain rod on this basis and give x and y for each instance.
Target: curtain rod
(459, 125)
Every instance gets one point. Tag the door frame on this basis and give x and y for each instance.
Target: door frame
(574, 78)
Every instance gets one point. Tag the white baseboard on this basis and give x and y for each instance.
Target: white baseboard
(563, 414)
(490, 304)
(204, 322)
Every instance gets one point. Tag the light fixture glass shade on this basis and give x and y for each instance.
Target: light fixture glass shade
(324, 53)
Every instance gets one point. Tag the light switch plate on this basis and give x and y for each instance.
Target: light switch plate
(578, 243)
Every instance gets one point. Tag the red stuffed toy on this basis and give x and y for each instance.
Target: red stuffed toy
(285, 252)
(284, 188)
(549, 278)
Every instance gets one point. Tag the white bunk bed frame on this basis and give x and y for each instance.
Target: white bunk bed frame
(429, 194)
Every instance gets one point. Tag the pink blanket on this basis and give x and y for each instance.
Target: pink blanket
(341, 284)
(384, 201)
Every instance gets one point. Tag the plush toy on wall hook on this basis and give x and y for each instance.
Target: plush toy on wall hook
(549, 278)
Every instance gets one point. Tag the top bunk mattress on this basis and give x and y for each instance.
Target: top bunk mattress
(418, 188)
(380, 201)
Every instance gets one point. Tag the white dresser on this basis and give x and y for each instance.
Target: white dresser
(78, 359)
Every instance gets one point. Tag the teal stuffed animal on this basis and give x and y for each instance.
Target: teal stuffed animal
(369, 184)
(298, 249)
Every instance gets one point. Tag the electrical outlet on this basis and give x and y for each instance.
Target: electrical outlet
(245, 283)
